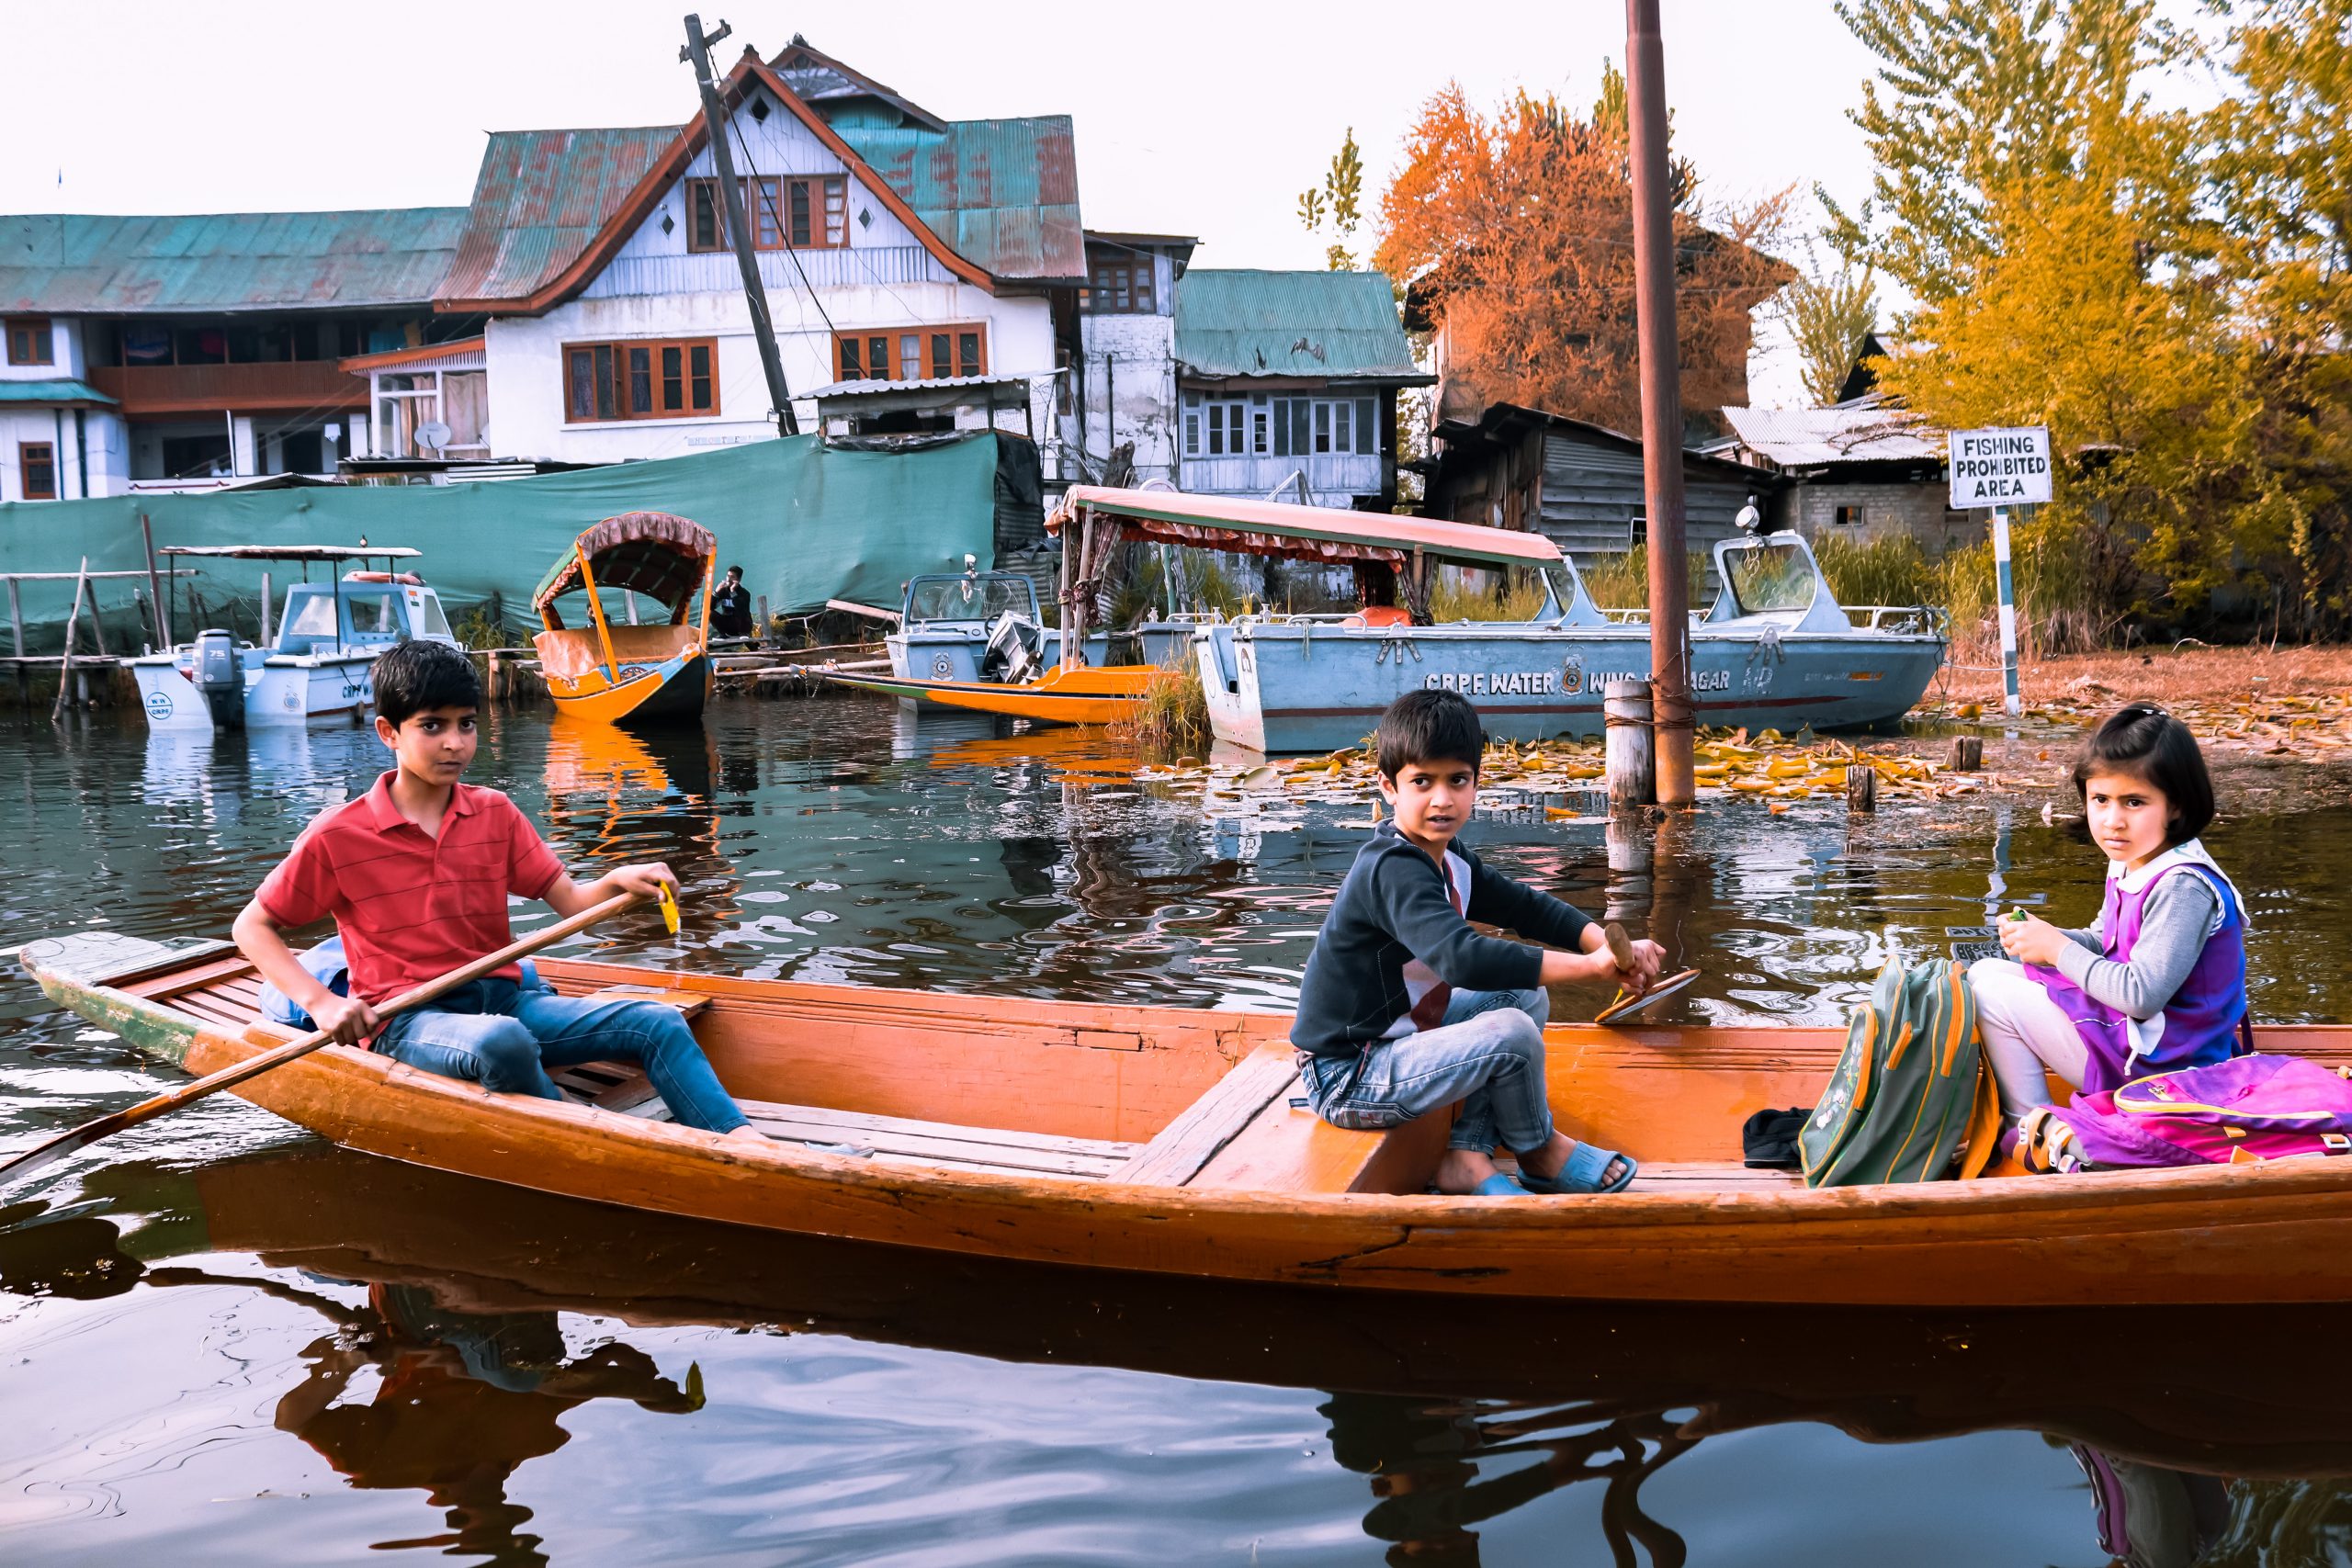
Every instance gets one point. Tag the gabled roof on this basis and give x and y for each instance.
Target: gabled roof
(1003, 192)
(1236, 322)
(828, 85)
(553, 265)
(1867, 430)
(75, 264)
(540, 197)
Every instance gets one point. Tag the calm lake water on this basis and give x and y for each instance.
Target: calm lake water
(250, 1347)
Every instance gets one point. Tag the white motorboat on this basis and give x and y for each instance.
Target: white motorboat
(315, 668)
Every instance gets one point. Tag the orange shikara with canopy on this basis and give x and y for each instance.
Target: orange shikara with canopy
(609, 671)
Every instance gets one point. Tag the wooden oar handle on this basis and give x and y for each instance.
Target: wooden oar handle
(253, 1066)
(1621, 946)
(415, 997)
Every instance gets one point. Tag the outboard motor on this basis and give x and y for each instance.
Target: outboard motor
(220, 676)
(1010, 655)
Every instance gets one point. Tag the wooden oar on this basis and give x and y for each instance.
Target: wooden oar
(114, 1122)
(1621, 948)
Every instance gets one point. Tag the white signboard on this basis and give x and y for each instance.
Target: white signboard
(2000, 468)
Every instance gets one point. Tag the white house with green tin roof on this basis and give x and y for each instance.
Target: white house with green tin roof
(1279, 384)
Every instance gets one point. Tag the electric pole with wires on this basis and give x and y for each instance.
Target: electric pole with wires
(731, 193)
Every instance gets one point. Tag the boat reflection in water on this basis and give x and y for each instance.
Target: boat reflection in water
(1456, 1413)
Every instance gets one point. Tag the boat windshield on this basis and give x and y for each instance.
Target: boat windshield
(315, 618)
(1767, 578)
(1503, 594)
(430, 621)
(969, 598)
(375, 614)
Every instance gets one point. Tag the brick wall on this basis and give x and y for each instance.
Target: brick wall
(1888, 509)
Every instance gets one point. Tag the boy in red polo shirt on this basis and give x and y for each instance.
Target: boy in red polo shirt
(416, 874)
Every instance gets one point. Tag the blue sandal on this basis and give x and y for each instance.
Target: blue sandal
(1587, 1164)
(1500, 1186)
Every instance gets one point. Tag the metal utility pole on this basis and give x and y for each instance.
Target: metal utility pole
(730, 191)
(1661, 402)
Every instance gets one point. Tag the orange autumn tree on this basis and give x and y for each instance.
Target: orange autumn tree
(1515, 233)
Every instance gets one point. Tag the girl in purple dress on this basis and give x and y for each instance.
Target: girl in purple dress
(2158, 981)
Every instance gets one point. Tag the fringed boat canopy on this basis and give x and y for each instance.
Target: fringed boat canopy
(662, 556)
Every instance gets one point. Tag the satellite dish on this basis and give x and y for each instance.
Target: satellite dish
(433, 435)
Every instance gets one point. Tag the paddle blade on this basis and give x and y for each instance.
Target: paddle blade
(669, 908)
(42, 1156)
(1624, 1005)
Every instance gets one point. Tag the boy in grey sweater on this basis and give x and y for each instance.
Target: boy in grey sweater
(1404, 1010)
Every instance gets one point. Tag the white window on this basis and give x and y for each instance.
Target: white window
(1263, 425)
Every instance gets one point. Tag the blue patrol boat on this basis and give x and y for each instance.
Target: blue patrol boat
(315, 668)
(1776, 650)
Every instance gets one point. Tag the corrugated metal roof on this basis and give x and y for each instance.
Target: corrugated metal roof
(1235, 322)
(1003, 193)
(540, 197)
(74, 263)
(60, 389)
(870, 388)
(1865, 431)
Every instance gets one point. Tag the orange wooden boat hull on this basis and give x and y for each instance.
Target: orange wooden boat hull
(1084, 695)
(1213, 1174)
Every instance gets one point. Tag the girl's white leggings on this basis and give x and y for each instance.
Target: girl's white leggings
(2025, 1034)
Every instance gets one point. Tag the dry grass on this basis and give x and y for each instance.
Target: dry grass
(1173, 716)
(2191, 674)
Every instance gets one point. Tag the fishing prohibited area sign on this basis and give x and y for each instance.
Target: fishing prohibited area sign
(2000, 468)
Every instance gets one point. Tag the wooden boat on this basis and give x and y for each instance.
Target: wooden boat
(1064, 695)
(1776, 650)
(1164, 1140)
(1886, 1376)
(630, 672)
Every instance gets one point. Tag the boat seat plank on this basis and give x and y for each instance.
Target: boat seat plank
(1210, 1122)
(1288, 1148)
(1689, 1178)
(690, 1003)
(898, 1140)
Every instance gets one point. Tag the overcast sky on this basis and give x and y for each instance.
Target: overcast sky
(1204, 119)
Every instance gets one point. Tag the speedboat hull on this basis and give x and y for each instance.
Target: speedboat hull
(1299, 686)
(279, 690)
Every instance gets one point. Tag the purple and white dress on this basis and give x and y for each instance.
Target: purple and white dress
(2204, 1021)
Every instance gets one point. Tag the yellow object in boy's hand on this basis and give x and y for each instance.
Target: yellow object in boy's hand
(669, 899)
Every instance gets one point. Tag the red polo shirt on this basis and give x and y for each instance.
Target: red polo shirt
(412, 907)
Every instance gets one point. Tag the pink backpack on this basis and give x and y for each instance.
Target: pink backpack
(2249, 1108)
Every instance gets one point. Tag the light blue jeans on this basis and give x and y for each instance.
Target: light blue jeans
(505, 1037)
(1488, 1053)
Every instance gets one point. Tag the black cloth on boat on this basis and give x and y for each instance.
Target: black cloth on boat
(1768, 1139)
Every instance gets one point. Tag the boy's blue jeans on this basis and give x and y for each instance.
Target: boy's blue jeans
(1488, 1053)
(503, 1037)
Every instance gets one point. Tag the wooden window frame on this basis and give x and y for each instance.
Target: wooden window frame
(611, 373)
(40, 330)
(1280, 425)
(1121, 287)
(786, 212)
(25, 459)
(854, 352)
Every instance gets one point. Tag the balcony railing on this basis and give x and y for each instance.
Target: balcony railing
(284, 387)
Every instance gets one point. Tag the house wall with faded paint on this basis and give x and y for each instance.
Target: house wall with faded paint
(880, 281)
(1831, 507)
(66, 352)
(1128, 392)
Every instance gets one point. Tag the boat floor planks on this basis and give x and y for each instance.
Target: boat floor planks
(1163, 1140)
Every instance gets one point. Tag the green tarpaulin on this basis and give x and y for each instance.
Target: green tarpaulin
(805, 522)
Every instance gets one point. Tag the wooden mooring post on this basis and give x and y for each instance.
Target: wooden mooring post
(1629, 750)
(1967, 753)
(65, 665)
(1861, 786)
